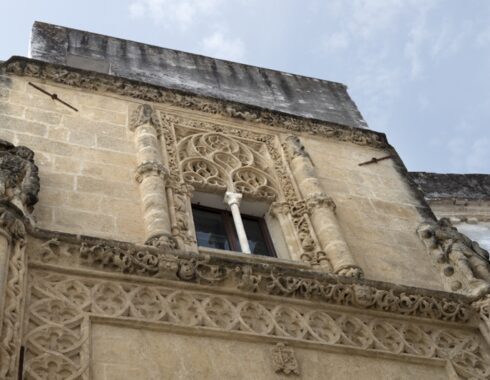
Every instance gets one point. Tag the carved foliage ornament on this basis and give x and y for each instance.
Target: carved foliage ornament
(100, 82)
(203, 269)
(60, 305)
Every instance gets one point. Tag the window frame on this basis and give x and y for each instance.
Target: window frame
(230, 229)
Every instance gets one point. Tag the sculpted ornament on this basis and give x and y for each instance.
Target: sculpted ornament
(204, 269)
(217, 162)
(61, 305)
(19, 178)
(283, 360)
(457, 255)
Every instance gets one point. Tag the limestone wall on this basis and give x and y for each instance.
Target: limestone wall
(377, 211)
(86, 159)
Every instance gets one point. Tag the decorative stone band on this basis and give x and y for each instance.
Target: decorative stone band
(102, 82)
(320, 200)
(61, 305)
(151, 168)
(248, 275)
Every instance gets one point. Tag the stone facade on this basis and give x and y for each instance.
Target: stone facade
(101, 276)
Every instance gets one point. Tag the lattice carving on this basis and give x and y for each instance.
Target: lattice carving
(57, 338)
(56, 324)
(144, 261)
(216, 162)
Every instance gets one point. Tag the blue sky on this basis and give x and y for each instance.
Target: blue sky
(419, 70)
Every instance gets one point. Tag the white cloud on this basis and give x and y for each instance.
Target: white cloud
(223, 46)
(483, 38)
(335, 42)
(468, 153)
(172, 13)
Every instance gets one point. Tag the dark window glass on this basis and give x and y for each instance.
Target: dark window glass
(210, 229)
(255, 236)
(215, 229)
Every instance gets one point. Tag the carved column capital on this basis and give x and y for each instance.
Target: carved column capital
(145, 114)
(151, 168)
(233, 198)
(320, 200)
(293, 147)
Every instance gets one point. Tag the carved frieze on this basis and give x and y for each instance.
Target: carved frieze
(168, 264)
(61, 305)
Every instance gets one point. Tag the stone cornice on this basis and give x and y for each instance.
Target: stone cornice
(253, 275)
(93, 81)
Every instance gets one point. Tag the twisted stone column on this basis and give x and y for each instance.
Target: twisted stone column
(151, 175)
(321, 210)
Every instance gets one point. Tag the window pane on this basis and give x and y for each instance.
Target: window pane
(255, 237)
(210, 229)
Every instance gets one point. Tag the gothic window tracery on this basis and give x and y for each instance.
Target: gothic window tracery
(215, 162)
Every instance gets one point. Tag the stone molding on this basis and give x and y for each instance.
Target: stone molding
(61, 306)
(101, 82)
(462, 263)
(248, 277)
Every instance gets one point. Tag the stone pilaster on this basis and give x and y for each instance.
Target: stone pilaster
(321, 210)
(151, 174)
(19, 186)
(281, 211)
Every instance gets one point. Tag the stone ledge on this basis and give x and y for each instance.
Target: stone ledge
(246, 274)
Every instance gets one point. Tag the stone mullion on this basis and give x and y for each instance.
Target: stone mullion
(321, 210)
(151, 174)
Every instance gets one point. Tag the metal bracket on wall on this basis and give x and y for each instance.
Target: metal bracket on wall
(52, 96)
(375, 160)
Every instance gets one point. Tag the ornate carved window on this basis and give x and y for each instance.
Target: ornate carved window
(215, 229)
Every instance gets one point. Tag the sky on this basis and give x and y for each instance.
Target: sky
(419, 70)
